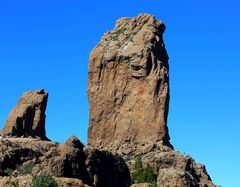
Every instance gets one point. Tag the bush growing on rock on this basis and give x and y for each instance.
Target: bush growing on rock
(44, 180)
(8, 171)
(143, 174)
(14, 184)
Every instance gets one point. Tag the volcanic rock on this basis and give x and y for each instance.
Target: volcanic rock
(21, 157)
(28, 117)
(26, 181)
(128, 91)
(172, 168)
(128, 86)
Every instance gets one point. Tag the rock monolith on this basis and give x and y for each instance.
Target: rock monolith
(128, 87)
(28, 117)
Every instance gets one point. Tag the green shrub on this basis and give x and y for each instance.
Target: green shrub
(43, 180)
(8, 171)
(143, 174)
(14, 184)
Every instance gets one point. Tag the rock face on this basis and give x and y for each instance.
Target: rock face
(84, 166)
(172, 168)
(128, 92)
(129, 97)
(28, 117)
(128, 87)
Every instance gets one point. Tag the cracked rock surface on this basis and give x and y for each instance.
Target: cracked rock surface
(128, 86)
(27, 118)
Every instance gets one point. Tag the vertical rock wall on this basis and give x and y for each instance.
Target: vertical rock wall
(128, 86)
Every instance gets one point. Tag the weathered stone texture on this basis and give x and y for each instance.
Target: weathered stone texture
(23, 156)
(128, 87)
(28, 117)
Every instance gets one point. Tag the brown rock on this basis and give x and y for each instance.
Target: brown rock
(69, 182)
(21, 157)
(146, 148)
(175, 178)
(142, 185)
(73, 141)
(128, 87)
(106, 169)
(26, 181)
(63, 161)
(172, 168)
(28, 117)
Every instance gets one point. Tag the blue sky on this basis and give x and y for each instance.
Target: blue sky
(46, 44)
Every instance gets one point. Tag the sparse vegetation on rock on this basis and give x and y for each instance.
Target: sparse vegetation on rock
(14, 184)
(143, 174)
(44, 180)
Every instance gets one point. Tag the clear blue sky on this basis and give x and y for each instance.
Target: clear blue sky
(46, 44)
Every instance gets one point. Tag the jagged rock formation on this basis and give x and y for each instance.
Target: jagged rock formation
(28, 117)
(128, 93)
(129, 97)
(128, 87)
(22, 158)
(172, 168)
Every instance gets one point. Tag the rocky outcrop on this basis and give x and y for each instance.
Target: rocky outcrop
(28, 117)
(128, 87)
(129, 97)
(26, 181)
(128, 91)
(172, 168)
(21, 157)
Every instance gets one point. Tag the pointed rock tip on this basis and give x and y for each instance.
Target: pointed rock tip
(40, 91)
(73, 141)
(142, 19)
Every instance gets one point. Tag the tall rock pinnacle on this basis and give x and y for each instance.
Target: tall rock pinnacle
(128, 86)
(28, 117)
